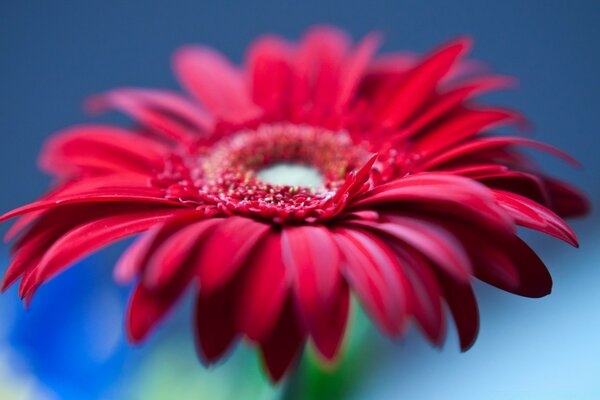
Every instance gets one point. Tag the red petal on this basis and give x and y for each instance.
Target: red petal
(503, 261)
(146, 308)
(89, 237)
(489, 255)
(138, 256)
(476, 171)
(215, 326)
(167, 113)
(450, 194)
(484, 144)
(375, 275)
(320, 59)
(494, 266)
(264, 289)
(20, 224)
(432, 240)
(354, 68)
(566, 200)
(131, 261)
(312, 257)
(463, 306)
(271, 72)
(139, 195)
(212, 79)
(462, 125)
(420, 83)
(283, 346)
(175, 252)
(355, 181)
(534, 278)
(532, 215)
(226, 250)
(522, 183)
(29, 255)
(329, 326)
(49, 226)
(448, 101)
(100, 147)
(427, 304)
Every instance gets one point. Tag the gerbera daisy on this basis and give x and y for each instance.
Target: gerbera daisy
(391, 191)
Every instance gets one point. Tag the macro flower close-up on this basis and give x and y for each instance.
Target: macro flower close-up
(322, 185)
(276, 190)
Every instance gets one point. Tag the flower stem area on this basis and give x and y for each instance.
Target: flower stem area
(314, 380)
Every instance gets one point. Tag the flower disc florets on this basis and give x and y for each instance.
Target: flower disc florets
(226, 174)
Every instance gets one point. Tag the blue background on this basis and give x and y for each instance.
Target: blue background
(55, 53)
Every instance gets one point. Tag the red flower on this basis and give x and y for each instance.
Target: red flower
(412, 199)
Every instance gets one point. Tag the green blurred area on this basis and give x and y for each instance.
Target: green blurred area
(173, 371)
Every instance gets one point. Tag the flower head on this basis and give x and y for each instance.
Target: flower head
(407, 199)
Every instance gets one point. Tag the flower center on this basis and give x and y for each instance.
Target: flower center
(283, 153)
(279, 172)
(291, 174)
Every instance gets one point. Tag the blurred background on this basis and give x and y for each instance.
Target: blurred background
(70, 344)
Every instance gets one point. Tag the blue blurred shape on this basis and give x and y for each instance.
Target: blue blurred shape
(71, 338)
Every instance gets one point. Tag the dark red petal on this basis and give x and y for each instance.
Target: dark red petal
(427, 294)
(329, 326)
(521, 183)
(566, 200)
(534, 278)
(215, 326)
(463, 306)
(264, 288)
(284, 345)
(226, 250)
(494, 265)
(489, 255)
(532, 215)
(476, 171)
(29, 255)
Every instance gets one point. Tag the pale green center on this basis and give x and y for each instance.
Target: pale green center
(291, 174)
